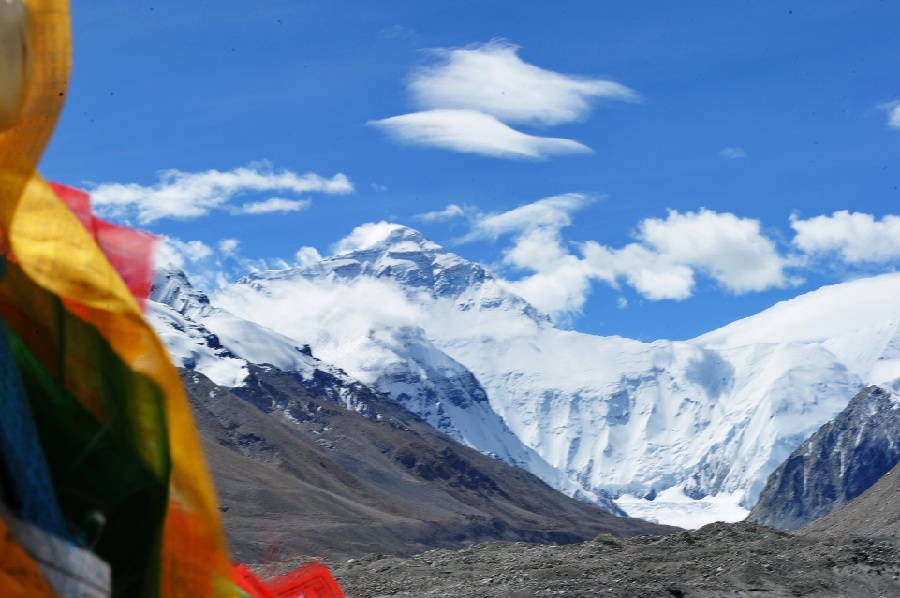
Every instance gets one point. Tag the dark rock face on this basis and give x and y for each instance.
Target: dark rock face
(835, 465)
(875, 513)
(297, 472)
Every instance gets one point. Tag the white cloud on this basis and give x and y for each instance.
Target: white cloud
(467, 95)
(470, 131)
(733, 153)
(364, 236)
(210, 267)
(730, 249)
(344, 320)
(274, 204)
(491, 78)
(654, 276)
(203, 265)
(560, 282)
(187, 195)
(451, 211)
(307, 256)
(175, 253)
(858, 238)
(228, 247)
(663, 262)
(550, 212)
(197, 259)
(893, 110)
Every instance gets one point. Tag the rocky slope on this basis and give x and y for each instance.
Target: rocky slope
(718, 560)
(298, 473)
(853, 552)
(836, 464)
(875, 513)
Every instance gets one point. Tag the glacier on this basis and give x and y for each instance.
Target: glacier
(682, 432)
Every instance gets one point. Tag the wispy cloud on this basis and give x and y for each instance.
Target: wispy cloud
(175, 253)
(398, 32)
(733, 153)
(856, 237)
(211, 266)
(466, 97)
(470, 131)
(451, 211)
(274, 204)
(893, 111)
(186, 195)
(549, 213)
(228, 247)
(364, 236)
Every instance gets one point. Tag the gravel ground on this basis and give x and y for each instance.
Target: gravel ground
(741, 559)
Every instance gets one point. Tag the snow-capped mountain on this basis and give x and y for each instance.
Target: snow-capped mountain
(420, 377)
(697, 425)
(222, 346)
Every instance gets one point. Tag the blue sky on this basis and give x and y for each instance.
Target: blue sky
(647, 169)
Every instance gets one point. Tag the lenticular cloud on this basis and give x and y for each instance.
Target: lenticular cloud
(491, 78)
(468, 96)
(470, 131)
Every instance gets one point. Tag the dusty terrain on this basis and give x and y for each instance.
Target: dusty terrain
(742, 559)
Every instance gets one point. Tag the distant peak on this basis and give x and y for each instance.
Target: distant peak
(167, 275)
(381, 235)
(172, 287)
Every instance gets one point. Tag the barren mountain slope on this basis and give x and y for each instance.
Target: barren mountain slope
(875, 513)
(316, 478)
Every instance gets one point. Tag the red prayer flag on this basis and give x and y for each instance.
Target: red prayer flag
(311, 580)
(130, 251)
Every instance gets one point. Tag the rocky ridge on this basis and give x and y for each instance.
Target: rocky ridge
(839, 462)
